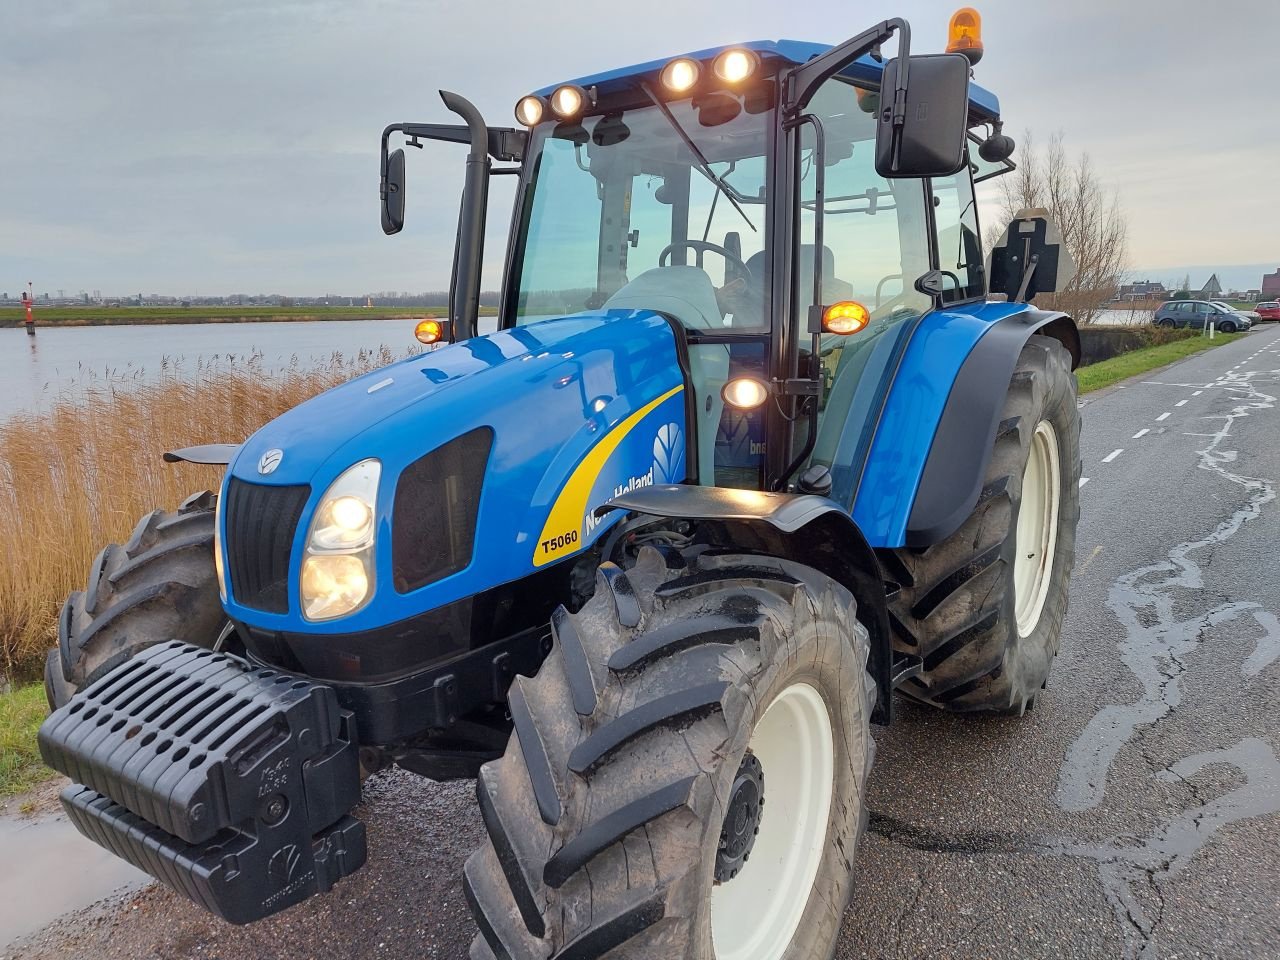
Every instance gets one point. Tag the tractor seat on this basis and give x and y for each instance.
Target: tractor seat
(683, 292)
(833, 288)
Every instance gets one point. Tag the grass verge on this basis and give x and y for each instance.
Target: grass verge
(21, 712)
(1104, 374)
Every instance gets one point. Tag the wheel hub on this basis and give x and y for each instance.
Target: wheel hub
(742, 820)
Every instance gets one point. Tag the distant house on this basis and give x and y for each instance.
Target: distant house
(1271, 285)
(1211, 290)
(1141, 291)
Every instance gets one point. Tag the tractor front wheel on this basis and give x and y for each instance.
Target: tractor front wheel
(161, 585)
(686, 774)
(983, 609)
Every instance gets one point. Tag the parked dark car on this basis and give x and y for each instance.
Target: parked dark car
(1268, 311)
(1197, 313)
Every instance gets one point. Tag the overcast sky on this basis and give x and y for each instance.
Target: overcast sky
(216, 146)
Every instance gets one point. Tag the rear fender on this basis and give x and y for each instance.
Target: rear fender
(961, 450)
(807, 529)
(924, 470)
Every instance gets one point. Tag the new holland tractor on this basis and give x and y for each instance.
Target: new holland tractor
(751, 449)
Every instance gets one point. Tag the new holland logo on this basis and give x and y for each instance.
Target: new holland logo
(668, 454)
(269, 461)
(668, 467)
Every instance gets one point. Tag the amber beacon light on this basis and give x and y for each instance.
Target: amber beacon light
(964, 34)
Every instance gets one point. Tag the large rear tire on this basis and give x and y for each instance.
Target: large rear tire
(628, 815)
(984, 608)
(161, 585)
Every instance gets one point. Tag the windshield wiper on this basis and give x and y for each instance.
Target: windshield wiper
(703, 165)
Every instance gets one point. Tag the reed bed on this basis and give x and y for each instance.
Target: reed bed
(80, 475)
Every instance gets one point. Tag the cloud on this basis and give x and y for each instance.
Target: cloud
(232, 144)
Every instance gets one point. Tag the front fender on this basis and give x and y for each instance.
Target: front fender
(808, 529)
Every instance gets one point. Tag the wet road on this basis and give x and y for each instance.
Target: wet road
(1134, 813)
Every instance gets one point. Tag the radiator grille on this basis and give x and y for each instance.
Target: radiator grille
(261, 522)
(437, 498)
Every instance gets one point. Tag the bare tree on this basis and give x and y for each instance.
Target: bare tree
(1093, 224)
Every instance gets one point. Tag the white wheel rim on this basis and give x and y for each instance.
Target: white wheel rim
(755, 915)
(1037, 534)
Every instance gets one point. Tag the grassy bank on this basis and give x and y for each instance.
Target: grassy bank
(81, 475)
(1104, 374)
(112, 316)
(21, 712)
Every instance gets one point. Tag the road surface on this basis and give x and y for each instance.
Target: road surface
(1135, 812)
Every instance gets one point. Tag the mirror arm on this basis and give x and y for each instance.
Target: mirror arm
(803, 82)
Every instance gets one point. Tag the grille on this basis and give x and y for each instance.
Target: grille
(261, 522)
(437, 498)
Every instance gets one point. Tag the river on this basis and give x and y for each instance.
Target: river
(66, 361)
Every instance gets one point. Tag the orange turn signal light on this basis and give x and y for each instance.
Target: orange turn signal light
(964, 34)
(845, 317)
(429, 331)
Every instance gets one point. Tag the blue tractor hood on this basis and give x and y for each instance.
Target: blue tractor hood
(579, 407)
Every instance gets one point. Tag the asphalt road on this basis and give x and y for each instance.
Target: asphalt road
(1135, 812)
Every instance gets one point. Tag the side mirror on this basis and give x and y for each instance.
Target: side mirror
(930, 141)
(393, 193)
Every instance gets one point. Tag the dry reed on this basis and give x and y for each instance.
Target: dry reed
(81, 475)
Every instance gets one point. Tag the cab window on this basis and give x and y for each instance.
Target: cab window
(955, 218)
(875, 245)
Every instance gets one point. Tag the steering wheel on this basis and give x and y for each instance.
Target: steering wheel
(701, 247)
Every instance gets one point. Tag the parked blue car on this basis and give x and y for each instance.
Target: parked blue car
(1197, 313)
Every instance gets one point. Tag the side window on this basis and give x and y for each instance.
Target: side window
(955, 217)
(875, 245)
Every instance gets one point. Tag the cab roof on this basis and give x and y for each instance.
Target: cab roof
(982, 102)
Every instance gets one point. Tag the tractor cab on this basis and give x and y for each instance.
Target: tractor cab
(711, 189)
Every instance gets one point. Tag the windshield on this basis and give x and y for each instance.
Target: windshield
(624, 213)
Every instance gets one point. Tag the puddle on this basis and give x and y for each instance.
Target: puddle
(48, 869)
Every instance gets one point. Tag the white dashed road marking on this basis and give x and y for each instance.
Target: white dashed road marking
(1142, 432)
(1197, 393)
(1112, 455)
(1083, 481)
(1181, 403)
(1163, 416)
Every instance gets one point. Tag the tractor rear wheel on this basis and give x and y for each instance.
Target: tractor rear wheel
(161, 585)
(984, 608)
(686, 774)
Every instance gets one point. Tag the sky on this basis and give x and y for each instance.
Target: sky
(221, 146)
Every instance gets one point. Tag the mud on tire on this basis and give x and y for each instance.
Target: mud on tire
(161, 585)
(605, 814)
(956, 608)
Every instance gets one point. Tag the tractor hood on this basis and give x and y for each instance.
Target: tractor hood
(576, 407)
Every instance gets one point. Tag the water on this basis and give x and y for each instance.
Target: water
(60, 360)
(60, 872)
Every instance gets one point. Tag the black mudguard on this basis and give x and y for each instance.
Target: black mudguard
(957, 462)
(805, 528)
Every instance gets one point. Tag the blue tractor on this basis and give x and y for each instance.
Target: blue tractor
(750, 450)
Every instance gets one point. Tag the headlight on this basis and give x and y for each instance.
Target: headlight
(333, 584)
(217, 550)
(337, 569)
